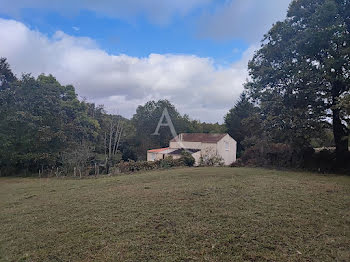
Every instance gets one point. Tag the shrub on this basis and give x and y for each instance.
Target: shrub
(170, 162)
(211, 160)
(281, 155)
(187, 159)
(325, 161)
(275, 155)
(238, 163)
(132, 166)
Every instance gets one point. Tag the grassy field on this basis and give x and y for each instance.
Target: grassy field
(199, 214)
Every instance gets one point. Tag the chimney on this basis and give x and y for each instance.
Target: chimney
(180, 137)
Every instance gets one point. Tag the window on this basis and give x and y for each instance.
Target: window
(227, 146)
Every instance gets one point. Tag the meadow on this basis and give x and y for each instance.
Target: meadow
(190, 214)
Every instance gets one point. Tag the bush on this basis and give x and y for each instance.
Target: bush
(238, 163)
(132, 166)
(267, 154)
(169, 162)
(187, 159)
(285, 156)
(211, 160)
(325, 161)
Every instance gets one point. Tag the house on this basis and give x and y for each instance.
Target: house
(199, 145)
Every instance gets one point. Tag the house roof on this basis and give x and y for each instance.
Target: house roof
(180, 150)
(199, 137)
(157, 150)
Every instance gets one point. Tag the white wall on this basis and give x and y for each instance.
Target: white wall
(197, 158)
(209, 149)
(182, 144)
(154, 156)
(212, 149)
(229, 155)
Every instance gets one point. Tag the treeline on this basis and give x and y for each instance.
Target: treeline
(46, 129)
(296, 102)
(298, 97)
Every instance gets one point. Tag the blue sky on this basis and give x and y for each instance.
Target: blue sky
(141, 49)
(138, 37)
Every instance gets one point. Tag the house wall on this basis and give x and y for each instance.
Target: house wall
(175, 156)
(229, 155)
(197, 157)
(209, 149)
(157, 156)
(149, 156)
(182, 144)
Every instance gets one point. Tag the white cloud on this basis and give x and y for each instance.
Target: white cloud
(242, 19)
(157, 11)
(122, 82)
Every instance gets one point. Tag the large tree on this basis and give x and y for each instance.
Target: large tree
(234, 120)
(146, 120)
(39, 120)
(302, 71)
(6, 75)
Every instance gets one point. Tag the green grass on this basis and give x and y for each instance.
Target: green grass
(199, 214)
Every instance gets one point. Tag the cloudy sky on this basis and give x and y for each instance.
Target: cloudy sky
(125, 53)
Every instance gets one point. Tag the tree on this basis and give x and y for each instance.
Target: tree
(301, 72)
(146, 120)
(40, 120)
(6, 75)
(243, 109)
(345, 104)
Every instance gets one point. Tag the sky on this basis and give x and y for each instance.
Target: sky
(124, 53)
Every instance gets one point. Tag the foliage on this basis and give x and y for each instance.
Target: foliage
(44, 126)
(266, 154)
(32, 141)
(30, 138)
(6, 75)
(301, 71)
(345, 104)
(211, 160)
(271, 155)
(325, 161)
(187, 159)
(234, 121)
(147, 118)
(135, 166)
(77, 160)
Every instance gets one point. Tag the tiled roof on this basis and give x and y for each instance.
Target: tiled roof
(199, 137)
(157, 150)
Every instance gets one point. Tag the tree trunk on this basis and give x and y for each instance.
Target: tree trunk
(105, 144)
(115, 139)
(111, 130)
(340, 133)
